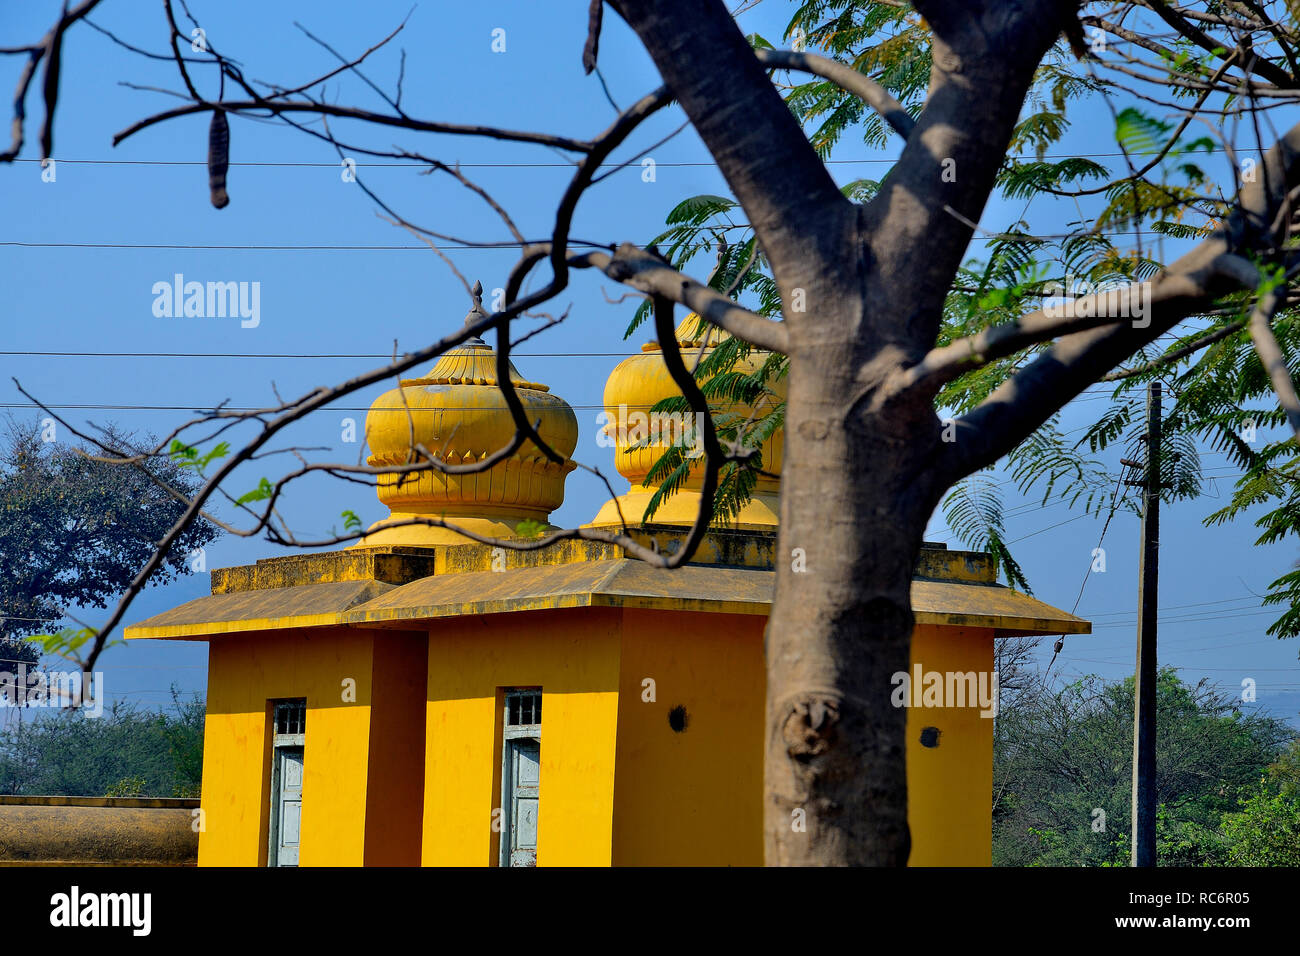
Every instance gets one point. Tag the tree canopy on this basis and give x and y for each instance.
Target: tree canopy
(1063, 777)
(128, 751)
(75, 530)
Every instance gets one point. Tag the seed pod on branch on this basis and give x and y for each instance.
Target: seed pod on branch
(218, 158)
(591, 50)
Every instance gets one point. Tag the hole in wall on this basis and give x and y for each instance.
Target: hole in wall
(930, 737)
(678, 719)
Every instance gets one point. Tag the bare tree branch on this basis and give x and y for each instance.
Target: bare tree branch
(714, 454)
(846, 78)
(1212, 269)
(1171, 358)
(1270, 353)
(365, 116)
(591, 50)
(650, 274)
(49, 49)
(1261, 67)
(556, 250)
(948, 362)
(1159, 157)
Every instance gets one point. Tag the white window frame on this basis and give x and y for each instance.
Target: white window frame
(531, 731)
(280, 742)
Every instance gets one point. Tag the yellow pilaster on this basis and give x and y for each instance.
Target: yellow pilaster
(574, 659)
(343, 775)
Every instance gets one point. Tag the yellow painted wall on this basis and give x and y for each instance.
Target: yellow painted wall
(950, 786)
(694, 797)
(244, 673)
(395, 794)
(419, 750)
(574, 657)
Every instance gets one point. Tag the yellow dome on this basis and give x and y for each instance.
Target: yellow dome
(457, 412)
(633, 388)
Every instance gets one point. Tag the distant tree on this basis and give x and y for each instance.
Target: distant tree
(184, 735)
(73, 531)
(1266, 831)
(128, 787)
(1063, 766)
(126, 752)
(1285, 772)
(1263, 829)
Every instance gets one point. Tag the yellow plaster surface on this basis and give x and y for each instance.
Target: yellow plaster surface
(574, 659)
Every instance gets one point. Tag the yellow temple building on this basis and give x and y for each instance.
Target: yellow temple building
(423, 699)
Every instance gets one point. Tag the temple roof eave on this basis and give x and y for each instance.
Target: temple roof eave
(621, 583)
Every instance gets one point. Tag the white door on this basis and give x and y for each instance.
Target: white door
(525, 773)
(288, 806)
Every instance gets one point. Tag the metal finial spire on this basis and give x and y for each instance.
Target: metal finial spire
(476, 312)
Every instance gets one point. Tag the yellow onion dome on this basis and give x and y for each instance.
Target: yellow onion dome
(632, 390)
(458, 413)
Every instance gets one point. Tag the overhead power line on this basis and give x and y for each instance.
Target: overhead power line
(235, 408)
(446, 247)
(415, 164)
(237, 247)
(292, 355)
(1173, 607)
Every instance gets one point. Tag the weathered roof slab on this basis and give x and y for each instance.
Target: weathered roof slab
(621, 582)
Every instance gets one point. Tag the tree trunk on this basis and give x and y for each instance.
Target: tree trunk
(854, 505)
(862, 289)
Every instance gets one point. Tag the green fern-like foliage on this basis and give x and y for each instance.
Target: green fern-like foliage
(973, 510)
(701, 227)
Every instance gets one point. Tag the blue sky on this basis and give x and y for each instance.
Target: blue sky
(359, 302)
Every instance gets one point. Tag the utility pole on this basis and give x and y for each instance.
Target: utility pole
(1144, 695)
